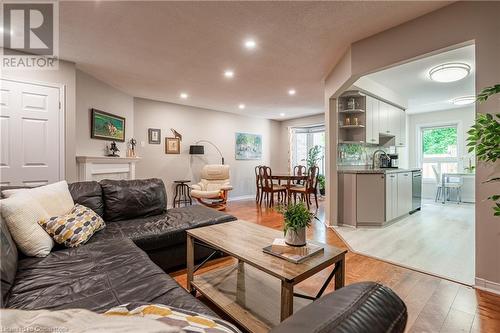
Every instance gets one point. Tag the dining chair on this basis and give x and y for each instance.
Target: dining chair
(268, 188)
(258, 184)
(310, 187)
(456, 185)
(299, 170)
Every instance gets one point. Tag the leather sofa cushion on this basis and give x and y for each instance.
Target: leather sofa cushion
(96, 277)
(357, 308)
(88, 194)
(8, 264)
(126, 199)
(164, 230)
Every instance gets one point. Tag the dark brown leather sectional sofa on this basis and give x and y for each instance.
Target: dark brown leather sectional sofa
(121, 264)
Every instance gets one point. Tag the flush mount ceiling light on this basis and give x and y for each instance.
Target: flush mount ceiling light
(464, 100)
(291, 92)
(184, 95)
(449, 72)
(250, 44)
(241, 106)
(229, 73)
(282, 114)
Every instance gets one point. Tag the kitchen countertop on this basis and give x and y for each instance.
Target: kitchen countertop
(366, 169)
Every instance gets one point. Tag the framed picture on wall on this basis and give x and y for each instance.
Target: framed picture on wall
(172, 146)
(154, 136)
(248, 146)
(107, 126)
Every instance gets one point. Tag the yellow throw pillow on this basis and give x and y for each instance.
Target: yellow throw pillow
(74, 228)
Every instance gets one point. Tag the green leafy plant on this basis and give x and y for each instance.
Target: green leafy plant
(484, 139)
(297, 216)
(313, 156)
(321, 182)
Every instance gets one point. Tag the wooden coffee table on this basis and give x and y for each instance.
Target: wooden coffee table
(258, 291)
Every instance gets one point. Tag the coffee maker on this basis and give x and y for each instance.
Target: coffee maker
(393, 160)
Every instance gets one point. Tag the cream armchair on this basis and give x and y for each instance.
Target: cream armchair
(212, 190)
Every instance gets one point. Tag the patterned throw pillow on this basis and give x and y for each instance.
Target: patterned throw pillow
(186, 320)
(74, 228)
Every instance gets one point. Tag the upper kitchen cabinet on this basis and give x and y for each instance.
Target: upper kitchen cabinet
(372, 120)
(364, 118)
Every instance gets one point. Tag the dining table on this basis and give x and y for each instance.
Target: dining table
(289, 178)
(445, 176)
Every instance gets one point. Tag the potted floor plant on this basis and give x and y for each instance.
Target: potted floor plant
(297, 219)
(321, 183)
(484, 139)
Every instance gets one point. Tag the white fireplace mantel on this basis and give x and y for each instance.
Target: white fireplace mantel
(101, 167)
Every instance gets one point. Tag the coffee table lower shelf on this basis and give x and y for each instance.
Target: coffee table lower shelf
(249, 296)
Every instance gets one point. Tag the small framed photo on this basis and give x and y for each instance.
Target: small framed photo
(154, 136)
(172, 146)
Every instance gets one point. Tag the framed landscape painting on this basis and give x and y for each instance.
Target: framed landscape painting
(107, 126)
(248, 146)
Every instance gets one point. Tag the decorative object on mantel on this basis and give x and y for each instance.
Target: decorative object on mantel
(154, 136)
(113, 149)
(296, 219)
(176, 134)
(101, 167)
(248, 146)
(107, 126)
(131, 151)
(198, 149)
(172, 146)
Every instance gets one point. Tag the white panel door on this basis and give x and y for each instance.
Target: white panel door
(31, 134)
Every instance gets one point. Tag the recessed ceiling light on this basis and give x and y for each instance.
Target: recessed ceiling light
(291, 92)
(282, 114)
(250, 44)
(184, 95)
(464, 100)
(449, 72)
(229, 73)
(241, 106)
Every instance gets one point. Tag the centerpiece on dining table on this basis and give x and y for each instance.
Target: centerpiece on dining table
(294, 246)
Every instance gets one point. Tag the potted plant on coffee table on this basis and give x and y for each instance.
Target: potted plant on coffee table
(297, 219)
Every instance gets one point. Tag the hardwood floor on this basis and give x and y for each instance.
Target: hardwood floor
(434, 304)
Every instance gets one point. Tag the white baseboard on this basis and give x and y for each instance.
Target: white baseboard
(492, 287)
(242, 197)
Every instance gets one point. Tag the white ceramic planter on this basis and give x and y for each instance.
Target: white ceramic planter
(296, 237)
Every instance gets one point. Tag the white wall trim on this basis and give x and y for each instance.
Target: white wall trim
(242, 197)
(492, 287)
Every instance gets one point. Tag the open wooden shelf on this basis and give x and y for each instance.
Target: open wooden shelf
(348, 111)
(352, 126)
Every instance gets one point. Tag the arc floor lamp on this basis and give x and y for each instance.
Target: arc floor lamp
(198, 149)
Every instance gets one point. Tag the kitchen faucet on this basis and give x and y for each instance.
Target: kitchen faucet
(375, 153)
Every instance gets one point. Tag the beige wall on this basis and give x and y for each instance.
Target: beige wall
(281, 164)
(92, 93)
(199, 124)
(65, 77)
(460, 23)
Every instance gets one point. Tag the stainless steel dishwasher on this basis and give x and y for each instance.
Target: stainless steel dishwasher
(416, 198)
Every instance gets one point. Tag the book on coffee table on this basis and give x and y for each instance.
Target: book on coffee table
(295, 254)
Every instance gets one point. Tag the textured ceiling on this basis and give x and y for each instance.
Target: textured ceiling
(412, 81)
(158, 49)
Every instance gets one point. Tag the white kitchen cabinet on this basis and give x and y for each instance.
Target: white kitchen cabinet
(401, 137)
(372, 120)
(391, 196)
(394, 121)
(384, 114)
(404, 197)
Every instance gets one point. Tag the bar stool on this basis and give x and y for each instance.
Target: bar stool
(182, 195)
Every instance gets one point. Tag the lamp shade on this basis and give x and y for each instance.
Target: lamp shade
(196, 150)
